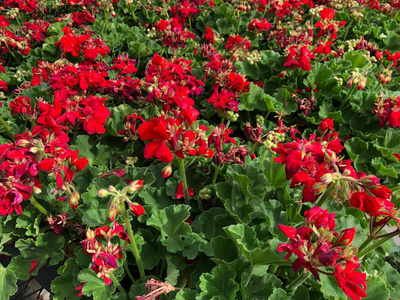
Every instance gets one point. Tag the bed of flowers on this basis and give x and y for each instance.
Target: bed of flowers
(243, 149)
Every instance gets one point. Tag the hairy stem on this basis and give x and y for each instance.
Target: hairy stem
(298, 281)
(38, 206)
(184, 182)
(116, 282)
(136, 253)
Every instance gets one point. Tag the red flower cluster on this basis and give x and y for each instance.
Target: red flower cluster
(172, 33)
(388, 111)
(260, 25)
(74, 44)
(39, 150)
(172, 136)
(10, 41)
(299, 57)
(104, 257)
(305, 160)
(171, 83)
(319, 247)
(228, 84)
(328, 28)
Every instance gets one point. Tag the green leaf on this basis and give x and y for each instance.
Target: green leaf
(391, 277)
(358, 59)
(279, 294)
(259, 283)
(253, 99)
(250, 178)
(186, 294)
(272, 210)
(95, 208)
(171, 223)
(275, 173)
(245, 238)
(211, 222)
(376, 289)
(95, 286)
(8, 283)
(232, 197)
(62, 286)
(172, 272)
(117, 119)
(138, 50)
(193, 244)
(29, 220)
(330, 288)
(47, 245)
(155, 198)
(224, 249)
(20, 267)
(96, 153)
(322, 76)
(380, 165)
(220, 284)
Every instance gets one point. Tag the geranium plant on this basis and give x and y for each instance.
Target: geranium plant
(241, 149)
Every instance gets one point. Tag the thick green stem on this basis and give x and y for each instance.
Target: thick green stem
(378, 243)
(347, 29)
(353, 87)
(126, 267)
(39, 207)
(216, 174)
(298, 281)
(325, 195)
(365, 244)
(184, 182)
(253, 148)
(7, 128)
(116, 282)
(133, 243)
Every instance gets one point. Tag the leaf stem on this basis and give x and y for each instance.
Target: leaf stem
(132, 241)
(298, 281)
(353, 87)
(366, 243)
(38, 206)
(253, 148)
(116, 282)
(216, 174)
(184, 182)
(126, 267)
(325, 195)
(379, 243)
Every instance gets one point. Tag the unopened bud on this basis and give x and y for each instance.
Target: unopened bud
(74, 199)
(112, 189)
(102, 193)
(134, 186)
(112, 212)
(166, 172)
(137, 209)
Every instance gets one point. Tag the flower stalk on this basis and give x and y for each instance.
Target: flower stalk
(184, 182)
(39, 206)
(136, 253)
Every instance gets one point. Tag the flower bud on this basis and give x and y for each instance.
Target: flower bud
(166, 172)
(73, 200)
(345, 237)
(112, 189)
(112, 212)
(137, 209)
(134, 186)
(102, 193)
